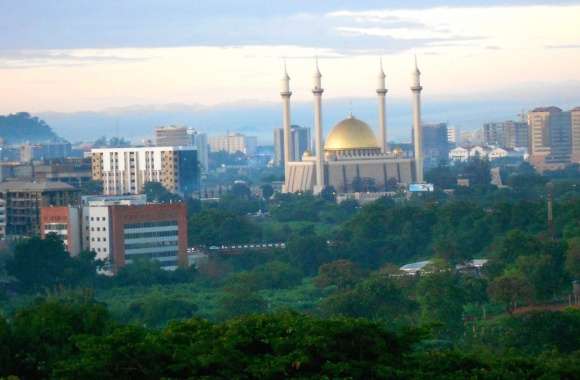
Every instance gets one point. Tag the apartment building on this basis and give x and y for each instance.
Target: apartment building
(126, 170)
(23, 201)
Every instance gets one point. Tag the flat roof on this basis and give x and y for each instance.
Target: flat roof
(34, 186)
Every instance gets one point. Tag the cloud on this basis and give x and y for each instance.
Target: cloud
(23, 59)
(563, 46)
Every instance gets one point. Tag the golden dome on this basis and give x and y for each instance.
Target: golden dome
(351, 133)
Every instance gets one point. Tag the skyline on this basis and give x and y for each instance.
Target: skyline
(78, 56)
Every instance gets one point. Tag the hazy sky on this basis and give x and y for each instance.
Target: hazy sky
(69, 55)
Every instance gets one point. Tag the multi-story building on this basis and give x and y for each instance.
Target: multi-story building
(48, 151)
(126, 170)
(575, 119)
(199, 141)
(453, 135)
(233, 143)
(509, 134)
(2, 219)
(435, 143)
(300, 143)
(184, 136)
(172, 136)
(551, 132)
(74, 171)
(23, 201)
(65, 222)
(121, 229)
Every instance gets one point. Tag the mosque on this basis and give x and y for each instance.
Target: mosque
(351, 157)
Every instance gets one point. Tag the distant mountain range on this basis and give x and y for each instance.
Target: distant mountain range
(138, 122)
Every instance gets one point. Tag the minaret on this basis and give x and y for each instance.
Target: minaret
(417, 128)
(317, 91)
(286, 93)
(382, 92)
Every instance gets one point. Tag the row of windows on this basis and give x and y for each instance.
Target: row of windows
(139, 235)
(151, 224)
(153, 255)
(98, 218)
(151, 244)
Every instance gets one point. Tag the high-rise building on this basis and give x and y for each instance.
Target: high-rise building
(453, 136)
(233, 143)
(23, 201)
(172, 136)
(550, 131)
(300, 137)
(509, 134)
(184, 136)
(435, 143)
(199, 141)
(126, 170)
(575, 116)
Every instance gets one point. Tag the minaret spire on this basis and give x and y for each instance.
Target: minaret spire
(317, 91)
(381, 93)
(285, 93)
(416, 88)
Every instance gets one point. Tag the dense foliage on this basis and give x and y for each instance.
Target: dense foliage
(22, 127)
(288, 313)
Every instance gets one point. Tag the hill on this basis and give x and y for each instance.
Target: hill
(22, 127)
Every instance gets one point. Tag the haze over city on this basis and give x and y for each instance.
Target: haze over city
(225, 56)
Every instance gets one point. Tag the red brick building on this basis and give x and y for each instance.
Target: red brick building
(65, 222)
(153, 231)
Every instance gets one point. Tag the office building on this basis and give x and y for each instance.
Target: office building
(65, 222)
(550, 133)
(47, 151)
(172, 136)
(199, 141)
(184, 136)
(435, 143)
(74, 171)
(126, 170)
(234, 143)
(300, 137)
(453, 136)
(23, 201)
(509, 134)
(122, 229)
(2, 219)
(575, 120)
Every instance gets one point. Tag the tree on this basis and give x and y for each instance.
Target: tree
(267, 191)
(39, 263)
(328, 193)
(236, 302)
(156, 309)
(542, 273)
(377, 298)
(156, 192)
(42, 332)
(343, 274)
(441, 298)
(573, 258)
(240, 190)
(510, 289)
(307, 253)
(92, 187)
